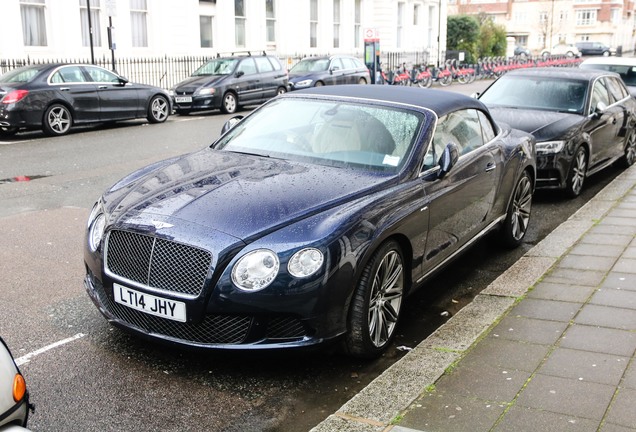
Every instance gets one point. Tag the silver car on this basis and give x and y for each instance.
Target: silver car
(14, 397)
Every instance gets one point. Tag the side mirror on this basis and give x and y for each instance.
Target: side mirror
(123, 81)
(448, 159)
(600, 109)
(239, 74)
(231, 123)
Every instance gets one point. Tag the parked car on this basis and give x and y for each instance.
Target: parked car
(584, 120)
(308, 220)
(522, 51)
(595, 48)
(561, 50)
(55, 97)
(624, 66)
(228, 83)
(14, 397)
(329, 70)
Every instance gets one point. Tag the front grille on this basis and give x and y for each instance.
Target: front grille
(285, 327)
(157, 263)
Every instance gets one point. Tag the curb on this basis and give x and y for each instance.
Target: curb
(390, 394)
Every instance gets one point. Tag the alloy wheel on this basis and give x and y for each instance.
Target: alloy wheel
(386, 299)
(579, 167)
(521, 205)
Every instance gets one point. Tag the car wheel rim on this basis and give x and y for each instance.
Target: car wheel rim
(630, 150)
(230, 103)
(521, 204)
(59, 120)
(386, 298)
(578, 172)
(159, 109)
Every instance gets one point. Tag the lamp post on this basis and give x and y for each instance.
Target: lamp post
(90, 30)
(439, 34)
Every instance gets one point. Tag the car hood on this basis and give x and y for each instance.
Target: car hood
(196, 82)
(544, 125)
(243, 196)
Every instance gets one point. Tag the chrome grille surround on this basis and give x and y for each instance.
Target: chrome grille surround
(157, 263)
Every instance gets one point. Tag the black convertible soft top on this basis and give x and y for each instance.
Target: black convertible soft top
(439, 101)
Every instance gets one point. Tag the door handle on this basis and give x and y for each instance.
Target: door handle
(102, 87)
(65, 88)
(491, 166)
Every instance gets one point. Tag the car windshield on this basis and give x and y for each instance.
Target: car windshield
(310, 65)
(327, 132)
(627, 73)
(216, 67)
(536, 92)
(20, 75)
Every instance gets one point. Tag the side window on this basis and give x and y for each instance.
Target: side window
(599, 94)
(247, 66)
(460, 127)
(336, 64)
(275, 63)
(487, 129)
(263, 64)
(616, 89)
(68, 74)
(101, 75)
(348, 63)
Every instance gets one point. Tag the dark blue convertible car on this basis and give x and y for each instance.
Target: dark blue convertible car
(310, 219)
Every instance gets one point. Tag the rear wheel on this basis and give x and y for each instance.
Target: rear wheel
(230, 103)
(281, 90)
(57, 120)
(362, 81)
(319, 84)
(376, 303)
(576, 176)
(630, 150)
(158, 109)
(516, 224)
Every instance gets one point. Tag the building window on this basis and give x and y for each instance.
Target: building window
(431, 25)
(563, 16)
(416, 14)
(95, 23)
(400, 25)
(585, 37)
(357, 24)
(313, 23)
(139, 23)
(270, 21)
(615, 16)
(205, 31)
(585, 17)
(543, 17)
(336, 23)
(33, 22)
(239, 23)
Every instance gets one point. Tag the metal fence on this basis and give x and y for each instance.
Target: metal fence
(167, 71)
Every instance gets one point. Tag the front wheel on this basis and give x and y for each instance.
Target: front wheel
(446, 81)
(376, 303)
(158, 109)
(362, 81)
(518, 217)
(230, 103)
(630, 150)
(57, 120)
(577, 173)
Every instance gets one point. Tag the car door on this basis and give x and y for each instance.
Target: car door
(604, 125)
(118, 99)
(336, 72)
(460, 202)
(247, 83)
(623, 104)
(77, 90)
(266, 72)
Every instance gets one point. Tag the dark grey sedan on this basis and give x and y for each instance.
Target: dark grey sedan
(54, 97)
(328, 70)
(584, 120)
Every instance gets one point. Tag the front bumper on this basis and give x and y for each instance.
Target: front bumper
(198, 103)
(552, 170)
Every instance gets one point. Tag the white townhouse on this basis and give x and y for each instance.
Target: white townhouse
(66, 29)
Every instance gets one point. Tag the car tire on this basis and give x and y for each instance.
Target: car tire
(158, 109)
(606, 53)
(57, 120)
(319, 84)
(362, 81)
(376, 303)
(629, 157)
(230, 103)
(8, 131)
(281, 90)
(517, 219)
(576, 173)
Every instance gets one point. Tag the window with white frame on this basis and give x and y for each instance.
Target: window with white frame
(400, 25)
(94, 24)
(270, 21)
(563, 16)
(139, 23)
(519, 17)
(584, 37)
(336, 23)
(432, 13)
(33, 22)
(313, 23)
(239, 23)
(541, 40)
(585, 17)
(615, 15)
(416, 14)
(206, 31)
(357, 23)
(543, 17)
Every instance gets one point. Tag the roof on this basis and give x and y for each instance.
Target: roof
(439, 101)
(618, 61)
(553, 72)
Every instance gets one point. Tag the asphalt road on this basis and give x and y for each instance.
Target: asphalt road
(85, 375)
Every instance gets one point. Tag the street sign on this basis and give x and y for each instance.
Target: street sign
(111, 7)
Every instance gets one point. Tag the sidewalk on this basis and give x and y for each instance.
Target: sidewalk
(548, 346)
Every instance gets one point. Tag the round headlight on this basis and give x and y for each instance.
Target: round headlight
(255, 270)
(96, 231)
(305, 262)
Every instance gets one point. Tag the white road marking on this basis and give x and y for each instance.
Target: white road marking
(26, 358)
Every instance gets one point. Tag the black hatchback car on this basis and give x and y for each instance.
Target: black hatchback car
(583, 120)
(227, 83)
(54, 97)
(588, 48)
(329, 70)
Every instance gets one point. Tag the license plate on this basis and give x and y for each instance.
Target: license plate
(183, 99)
(150, 304)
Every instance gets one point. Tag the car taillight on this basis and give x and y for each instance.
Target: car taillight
(14, 96)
